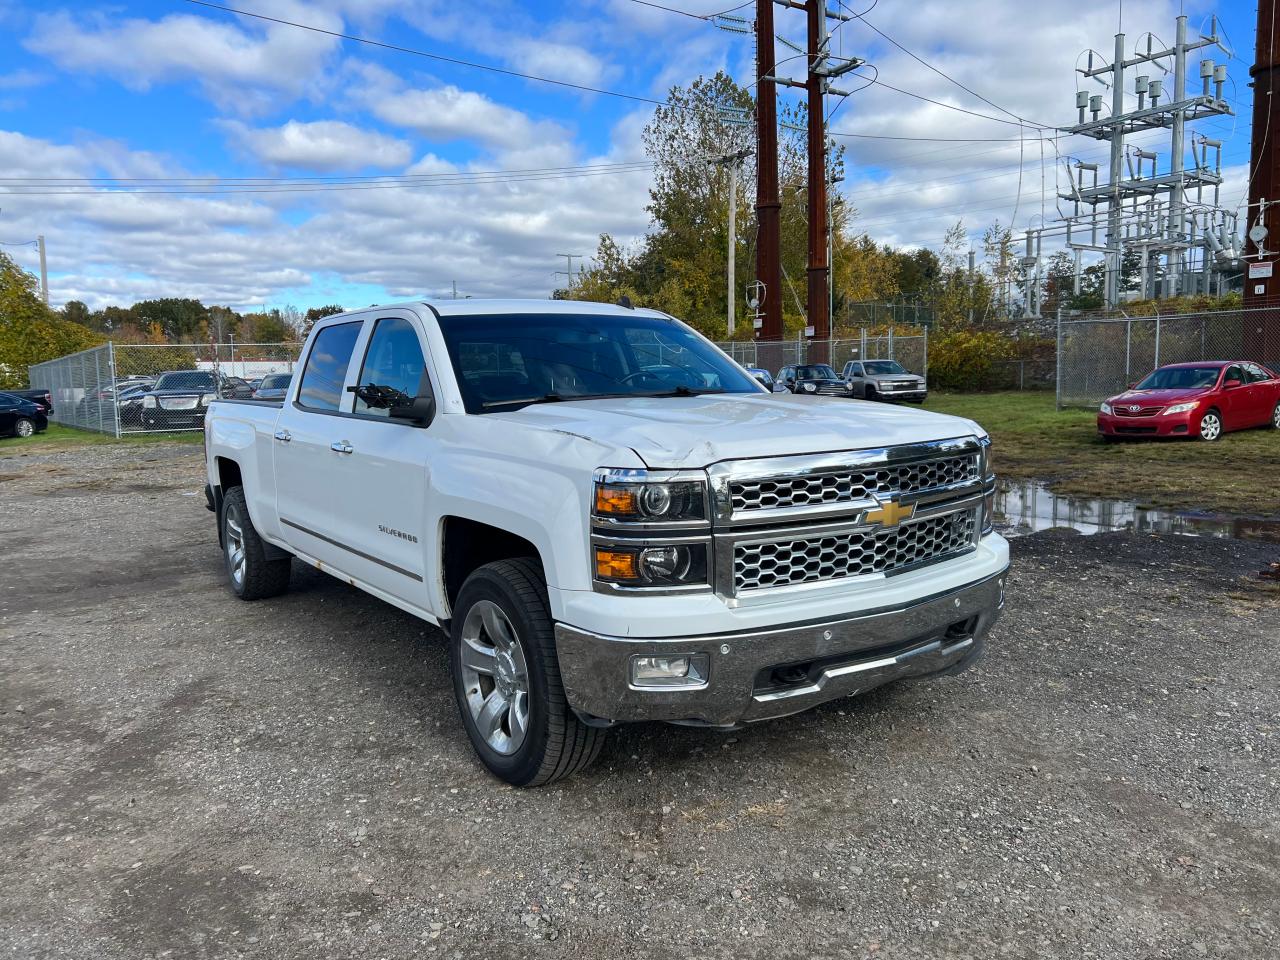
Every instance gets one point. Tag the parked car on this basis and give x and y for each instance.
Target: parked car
(129, 402)
(273, 386)
(603, 543)
(812, 379)
(37, 395)
(763, 375)
(20, 417)
(1204, 399)
(178, 399)
(883, 380)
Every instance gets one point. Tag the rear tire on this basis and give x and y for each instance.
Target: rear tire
(506, 678)
(249, 571)
(1275, 418)
(24, 427)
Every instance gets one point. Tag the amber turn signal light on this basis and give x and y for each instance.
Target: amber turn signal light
(616, 501)
(615, 565)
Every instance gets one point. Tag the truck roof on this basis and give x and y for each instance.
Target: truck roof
(476, 307)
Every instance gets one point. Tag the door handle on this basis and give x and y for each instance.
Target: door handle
(341, 446)
(283, 436)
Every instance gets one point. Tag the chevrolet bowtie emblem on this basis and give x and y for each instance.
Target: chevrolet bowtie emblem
(890, 514)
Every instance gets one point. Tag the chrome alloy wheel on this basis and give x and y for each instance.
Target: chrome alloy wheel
(496, 677)
(1275, 417)
(25, 428)
(235, 549)
(1210, 426)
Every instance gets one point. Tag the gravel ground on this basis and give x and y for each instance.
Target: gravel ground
(183, 775)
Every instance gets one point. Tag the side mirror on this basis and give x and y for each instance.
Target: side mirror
(1133, 386)
(1231, 384)
(762, 381)
(421, 410)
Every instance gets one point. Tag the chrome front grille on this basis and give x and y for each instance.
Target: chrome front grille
(785, 561)
(847, 486)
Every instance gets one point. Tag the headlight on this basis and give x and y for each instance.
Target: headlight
(1105, 408)
(642, 496)
(669, 565)
(207, 398)
(148, 401)
(1182, 407)
(810, 388)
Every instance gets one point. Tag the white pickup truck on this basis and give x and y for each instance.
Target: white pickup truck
(610, 519)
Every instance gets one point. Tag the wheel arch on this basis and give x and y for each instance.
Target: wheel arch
(467, 544)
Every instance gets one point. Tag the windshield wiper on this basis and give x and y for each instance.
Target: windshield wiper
(680, 391)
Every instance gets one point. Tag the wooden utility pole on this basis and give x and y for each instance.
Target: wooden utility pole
(768, 205)
(1264, 158)
(1261, 286)
(819, 302)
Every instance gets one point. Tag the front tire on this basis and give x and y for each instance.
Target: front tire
(1210, 426)
(249, 571)
(24, 428)
(506, 678)
(870, 393)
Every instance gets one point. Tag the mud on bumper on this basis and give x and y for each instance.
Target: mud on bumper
(783, 670)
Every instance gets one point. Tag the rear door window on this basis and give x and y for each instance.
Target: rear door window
(326, 368)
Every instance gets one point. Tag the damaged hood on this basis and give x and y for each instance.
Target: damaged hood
(689, 432)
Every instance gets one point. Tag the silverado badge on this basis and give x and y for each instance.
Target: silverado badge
(890, 513)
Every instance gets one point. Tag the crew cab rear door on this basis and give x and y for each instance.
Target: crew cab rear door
(314, 480)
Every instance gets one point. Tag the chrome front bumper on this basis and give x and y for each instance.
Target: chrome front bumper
(783, 670)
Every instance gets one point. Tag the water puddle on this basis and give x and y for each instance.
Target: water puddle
(1026, 506)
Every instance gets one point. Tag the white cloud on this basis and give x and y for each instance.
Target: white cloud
(322, 145)
(242, 65)
(494, 238)
(446, 113)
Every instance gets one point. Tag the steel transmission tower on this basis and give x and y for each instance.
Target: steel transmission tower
(1183, 241)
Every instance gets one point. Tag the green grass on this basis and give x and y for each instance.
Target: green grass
(66, 438)
(1030, 439)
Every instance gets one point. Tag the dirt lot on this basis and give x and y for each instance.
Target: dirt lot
(185, 775)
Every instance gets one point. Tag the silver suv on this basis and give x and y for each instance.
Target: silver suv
(883, 380)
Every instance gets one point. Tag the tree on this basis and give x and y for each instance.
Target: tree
(182, 320)
(29, 331)
(318, 313)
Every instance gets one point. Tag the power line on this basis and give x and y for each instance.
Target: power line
(939, 103)
(689, 13)
(947, 76)
(430, 56)
(620, 167)
(89, 189)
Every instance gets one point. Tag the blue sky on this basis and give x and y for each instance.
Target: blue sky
(166, 88)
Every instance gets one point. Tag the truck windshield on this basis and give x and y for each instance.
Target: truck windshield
(879, 367)
(506, 361)
(185, 380)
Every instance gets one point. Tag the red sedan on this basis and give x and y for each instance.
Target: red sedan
(1203, 399)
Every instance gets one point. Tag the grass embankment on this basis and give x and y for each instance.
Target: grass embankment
(1237, 474)
(65, 438)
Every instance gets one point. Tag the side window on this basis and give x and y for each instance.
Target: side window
(6, 402)
(327, 366)
(393, 362)
(1234, 373)
(1255, 373)
(855, 369)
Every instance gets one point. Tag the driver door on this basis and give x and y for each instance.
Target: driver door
(391, 462)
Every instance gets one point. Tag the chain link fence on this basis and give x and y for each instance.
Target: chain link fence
(772, 355)
(1100, 357)
(122, 388)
